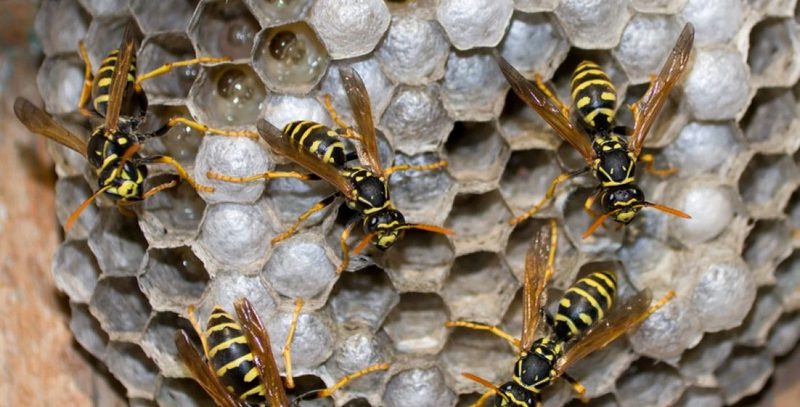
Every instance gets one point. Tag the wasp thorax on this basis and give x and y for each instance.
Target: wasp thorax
(623, 202)
(385, 225)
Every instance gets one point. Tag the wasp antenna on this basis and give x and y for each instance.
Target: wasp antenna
(481, 381)
(77, 212)
(363, 243)
(667, 209)
(429, 228)
(595, 225)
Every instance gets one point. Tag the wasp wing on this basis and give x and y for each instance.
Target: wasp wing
(646, 110)
(362, 114)
(277, 141)
(119, 79)
(258, 339)
(203, 373)
(536, 266)
(38, 121)
(547, 109)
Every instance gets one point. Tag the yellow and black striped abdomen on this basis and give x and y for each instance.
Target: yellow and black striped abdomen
(102, 81)
(586, 302)
(594, 96)
(231, 357)
(317, 139)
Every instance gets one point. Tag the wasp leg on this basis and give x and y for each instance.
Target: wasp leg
(163, 159)
(588, 203)
(485, 396)
(346, 131)
(547, 196)
(577, 386)
(316, 208)
(192, 316)
(548, 91)
(86, 91)
(650, 166)
(166, 68)
(266, 175)
(158, 188)
(345, 248)
(287, 347)
(206, 129)
(407, 167)
(349, 378)
(483, 327)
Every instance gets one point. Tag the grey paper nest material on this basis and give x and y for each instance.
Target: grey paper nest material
(731, 128)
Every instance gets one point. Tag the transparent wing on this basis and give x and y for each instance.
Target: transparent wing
(38, 121)
(646, 110)
(536, 265)
(203, 373)
(362, 114)
(119, 80)
(277, 140)
(547, 109)
(258, 339)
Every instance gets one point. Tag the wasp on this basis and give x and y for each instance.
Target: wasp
(364, 186)
(113, 147)
(237, 367)
(586, 321)
(610, 151)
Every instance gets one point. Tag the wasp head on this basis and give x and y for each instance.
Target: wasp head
(511, 394)
(386, 226)
(622, 203)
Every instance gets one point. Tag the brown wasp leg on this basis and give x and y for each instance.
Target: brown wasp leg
(86, 91)
(345, 249)
(251, 178)
(548, 91)
(166, 68)
(588, 203)
(206, 129)
(287, 347)
(316, 208)
(549, 195)
(483, 327)
(346, 132)
(163, 159)
(407, 167)
(649, 161)
(352, 376)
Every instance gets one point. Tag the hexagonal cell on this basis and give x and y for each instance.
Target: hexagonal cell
(534, 44)
(523, 128)
(291, 197)
(480, 222)
(276, 12)
(363, 298)
(357, 350)
(87, 330)
(280, 110)
(349, 29)
(118, 243)
(313, 341)
(718, 85)
(158, 342)
(163, 16)
(414, 51)
(420, 261)
(290, 58)
(787, 282)
(416, 324)
(724, 291)
(180, 142)
(164, 48)
(70, 193)
(417, 119)
(769, 116)
(75, 270)
(223, 28)
(232, 156)
(763, 315)
(105, 8)
(182, 392)
(474, 23)
(668, 332)
(593, 24)
(705, 17)
(60, 80)
(228, 287)
(473, 87)
(599, 371)
(636, 387)
(646, 44)
(172, 217)
(479, 288)
(422, 195)
(704, 148)
(120, 306)
(133, 369)
(697, 365)
(227, 95)
(418, 387)
(105, 35)
(767, 181)
(712, 208)
(773, 52)
(299, 267)
(527, 177)
(173, 279)
(766, 245)
(577, 221)
(60, 25)
(479, 353)
(744, 373)
(235, 236)
(700, 397)
(476, 155)
(785, 334)
(379, 87)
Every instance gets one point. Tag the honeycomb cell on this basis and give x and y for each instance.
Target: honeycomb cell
(476, 352)
(577, 221)
(479, 288)
(636, 389)
(172, 217)
(473, 86)
(658, 6)
(763, 315)
(299, 267)
(158, 342)
(422, 195)
(105, 35)
(519, 242)
(773, 52)
(769, 116)
(59, 25)
(117, 243)
(232, 156)
(235, 236)
(182, 392)
(705, 16)
(601, 369)
(159, 49)
(173, 279)
(697, 365)
(423, 387)
(357, 350)
(704, 148)
(87, 330)
(313, 340)
(474, 23)
(724, 291)
(523, 128)
(414, 51)
(379, 87)
(717, 85)
(646, 44)
(787, 276)
(349, 28)
(75, 270)
(163, 16)
(527, 177)
(105, 8)
(363, 298)
(712, 208)
(416, 324)
(785, 334)
(290, 58)
(743, 374)
(291, 197)
(476, 155)
(534, 44)
(133, 369)
(180, 142)
(60, 79)
(227, 95)
(700, 397)
(417, 119)
(120, 307)
(767, 181)
(765, 246)
(420, 261)
(668, 332)
(227, 287)
(223, 28)
(479, 222)
(594, 24)
(277, 11)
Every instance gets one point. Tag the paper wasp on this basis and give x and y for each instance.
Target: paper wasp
(590, 128)
(586, 321)
(237, 368)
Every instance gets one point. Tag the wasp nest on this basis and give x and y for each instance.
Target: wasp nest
(730, 127)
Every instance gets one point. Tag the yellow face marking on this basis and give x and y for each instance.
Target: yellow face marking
(626, 216)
